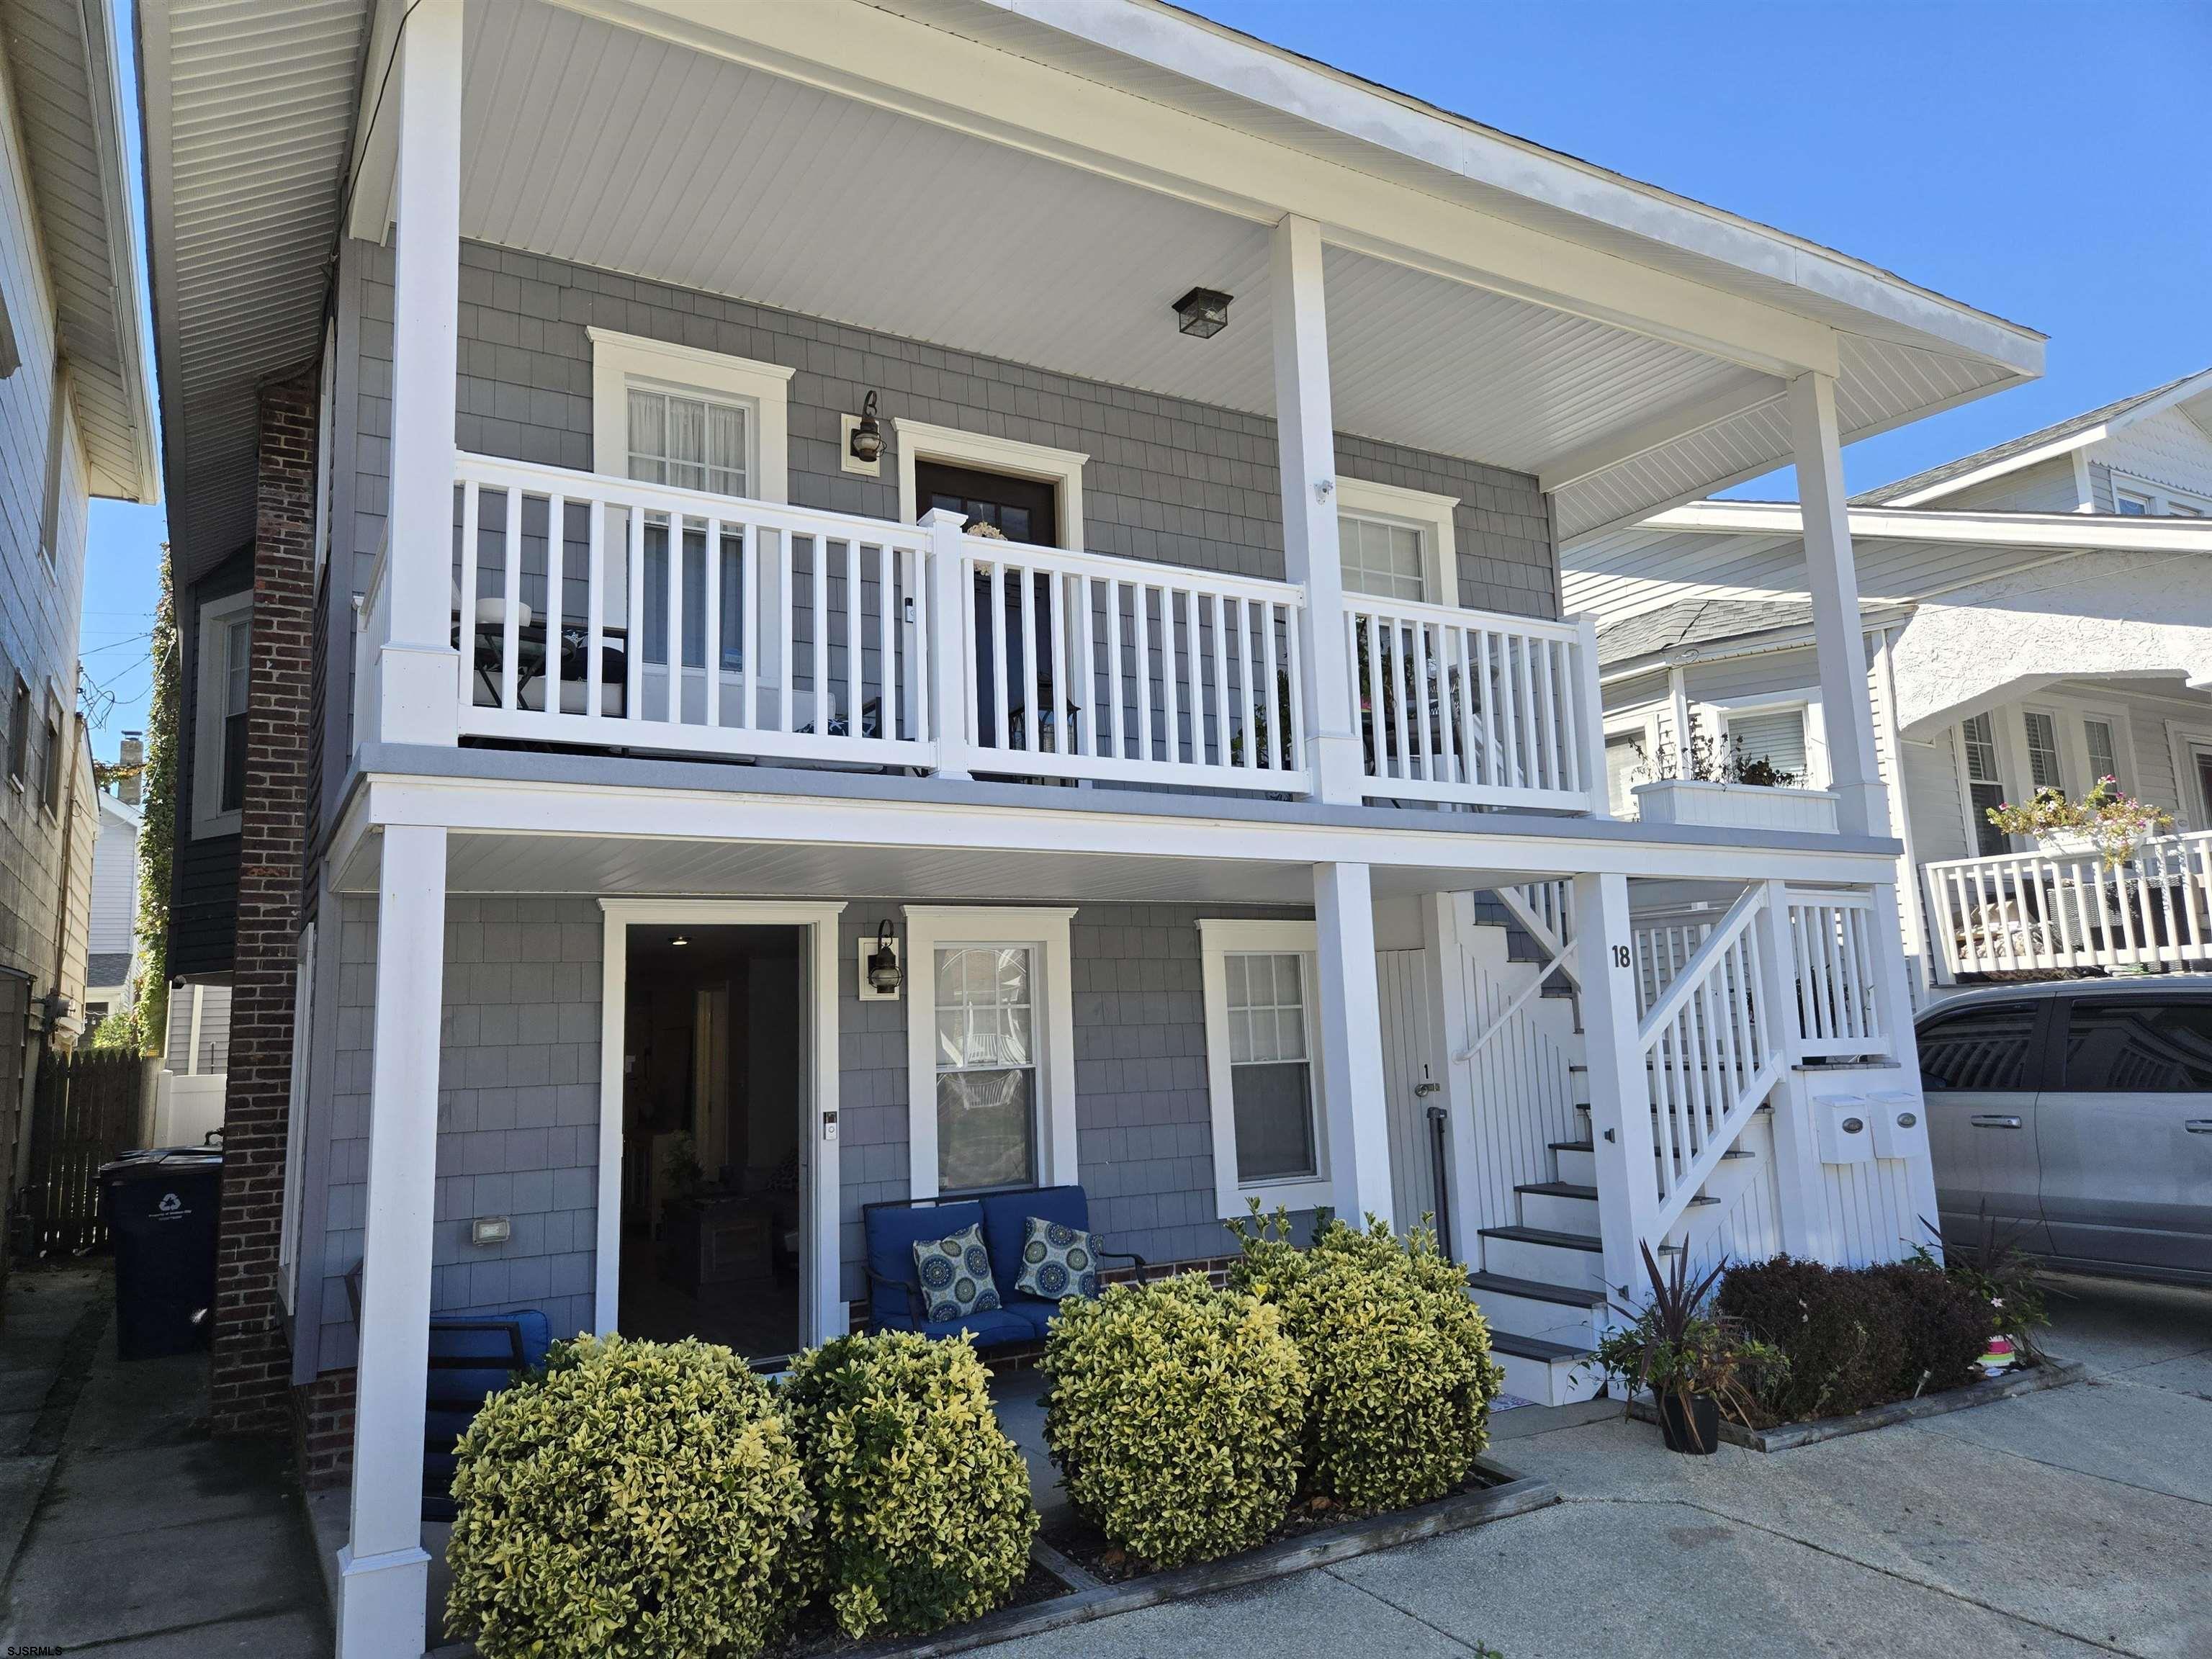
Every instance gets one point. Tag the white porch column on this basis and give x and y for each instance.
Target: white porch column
(1800, 1192)
(1839, 637)
(1305, 437)
(950, 653)
(421, 669)
(1620, 1096)
(384, 1573)
(1351, 1043)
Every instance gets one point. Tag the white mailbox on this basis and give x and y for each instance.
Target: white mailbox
(1841, 1123)
(1899, 1118)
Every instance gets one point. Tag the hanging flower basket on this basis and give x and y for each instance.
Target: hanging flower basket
(2103, 824)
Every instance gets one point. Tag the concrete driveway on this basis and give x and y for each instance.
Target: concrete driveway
(2077, 1520)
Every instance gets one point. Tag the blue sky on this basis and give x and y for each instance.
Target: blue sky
(2044, 161)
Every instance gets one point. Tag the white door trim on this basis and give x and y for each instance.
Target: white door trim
(821, 1312)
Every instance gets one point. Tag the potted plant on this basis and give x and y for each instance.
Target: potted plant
(1695, 1362)
(1714, 784)
(2104, 823)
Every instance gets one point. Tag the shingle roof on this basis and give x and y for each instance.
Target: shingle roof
(107, 967)
(1695, 621)
(2056, 433)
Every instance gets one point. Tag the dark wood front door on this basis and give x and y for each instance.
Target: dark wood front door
(1022, 509)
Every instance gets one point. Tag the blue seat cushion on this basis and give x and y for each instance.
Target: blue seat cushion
(892, 1233)
(997, 1328)
(1037, 1314)
(1005, 1228)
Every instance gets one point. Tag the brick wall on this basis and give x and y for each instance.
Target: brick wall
(252, 1363)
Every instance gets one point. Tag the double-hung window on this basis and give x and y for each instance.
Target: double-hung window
(2103, 752)
(1978, 740)
(991, 1049)
(56, 759)
(1263, 1064)
(224, 675)
(19, 733)
(1776, 736)
(1394, 543)
(2041, 730)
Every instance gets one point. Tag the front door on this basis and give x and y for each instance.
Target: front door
(1413, 1090)
(1022, 510)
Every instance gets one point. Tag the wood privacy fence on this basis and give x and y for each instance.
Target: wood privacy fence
(85, 1113)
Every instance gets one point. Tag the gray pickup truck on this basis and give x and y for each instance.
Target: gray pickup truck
(2078, 1116)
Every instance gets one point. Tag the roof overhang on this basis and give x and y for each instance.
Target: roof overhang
(2047, 531)
(1488, 298)
(1758, 643)
(67, 82)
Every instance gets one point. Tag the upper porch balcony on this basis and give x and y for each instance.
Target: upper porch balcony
(816, 638)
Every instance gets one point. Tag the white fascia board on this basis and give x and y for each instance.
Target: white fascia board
(2180, 392)
(1547, 848)
(1770, 643)
(104, 79)
(1226, 61)
(929, 74)
(2056, 531)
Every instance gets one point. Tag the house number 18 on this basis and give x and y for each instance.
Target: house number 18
(1621, 956)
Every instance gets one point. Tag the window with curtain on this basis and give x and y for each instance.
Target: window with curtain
(986, 1067)
(1271, 1066)
(2104, 759)
(234, 672)
(2043, 770)
(1984, 784)
(1382, 557)
(692, 443)
(1777, 737)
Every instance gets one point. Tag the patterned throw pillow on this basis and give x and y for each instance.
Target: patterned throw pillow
(956, 1274)
(1057, 1262)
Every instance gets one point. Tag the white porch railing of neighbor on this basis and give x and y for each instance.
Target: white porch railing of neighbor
(2038, 912)
(669, 619)
(1470, 707)
(1710, 1055)
(1144, 672)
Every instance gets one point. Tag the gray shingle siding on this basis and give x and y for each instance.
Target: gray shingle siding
(1169, 480)
(518, 1097)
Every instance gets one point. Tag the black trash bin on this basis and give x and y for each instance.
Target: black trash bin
(160, 1207)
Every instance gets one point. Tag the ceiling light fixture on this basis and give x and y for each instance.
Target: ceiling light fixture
(1203, 312)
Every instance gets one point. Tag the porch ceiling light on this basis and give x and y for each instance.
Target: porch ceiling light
(867, 440)
(884, 974)
(679, 941)
(1203, 312)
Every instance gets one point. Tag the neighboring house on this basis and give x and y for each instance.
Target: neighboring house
(76, 420)
(596, 659)
(2036, 613)
(112, 964)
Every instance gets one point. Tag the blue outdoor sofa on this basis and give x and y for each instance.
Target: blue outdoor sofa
(894, 1226)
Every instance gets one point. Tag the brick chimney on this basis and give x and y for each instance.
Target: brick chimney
(132, 786)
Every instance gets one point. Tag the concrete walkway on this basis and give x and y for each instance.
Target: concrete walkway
(125, 1527)
(2074, 1521)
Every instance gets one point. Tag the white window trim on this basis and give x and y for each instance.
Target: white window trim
(2006, 769)
(930, 927)
(1644, 725)
(2162, 497)
(2184, 742)
(821, 1307)
(617, 360)
(1806, 702)
(2068, 753)
(206, 723)
(1429, 513)
(2073, 740)
(295, 1118)
(918, 440)
(1218, 939)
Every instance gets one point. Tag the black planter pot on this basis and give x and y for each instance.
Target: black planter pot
(1691, 1425)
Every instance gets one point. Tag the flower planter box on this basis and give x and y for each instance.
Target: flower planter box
(1737, 806)
(1782, 1437)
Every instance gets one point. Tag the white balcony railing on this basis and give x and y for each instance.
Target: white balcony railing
(1467, 706)
(2025, 912)
(1144, 672)
(597, 611)
(685, 621)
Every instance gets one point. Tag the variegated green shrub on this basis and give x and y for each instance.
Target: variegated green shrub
(1174, 1417)
(925, 1518)
(1399, 1361)
(640, 1500)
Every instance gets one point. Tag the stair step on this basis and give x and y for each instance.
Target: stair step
(1563, 1206)
(1545, 1236)
(1535, 1348)
(1558, 1189)
(1816, 1066)
(1535, 1289)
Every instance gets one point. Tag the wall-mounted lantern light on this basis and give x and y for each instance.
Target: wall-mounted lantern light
(1203, 312)
(881, 974)
(864, 441)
